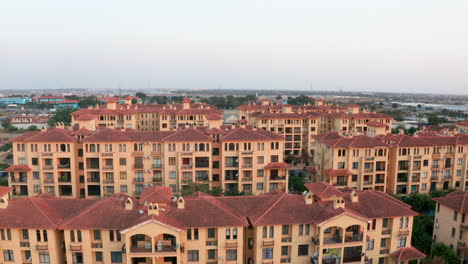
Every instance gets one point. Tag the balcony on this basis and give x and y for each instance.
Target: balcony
(231, 244)
(157, 179)
(138, 153)
(42, 247)
(247, 166)
(212, 243)
(379, 181)
(403, 233)
(156, 166)
(47, 154)
(367, 182)
(108, 181)
(341, 183)
(380, 169)
(75, 248)
(354, 237)
(368, 170)
(138, 180)
(96, 245)
(464, 226)
(286, 239)
(231, 178)
(24, 244)
(64, 166)
(415, 179)
(187, 166)
(93, 179)
(19, 180)
(108, 167)
(107, 154)
(48, 167)
(268, 243)
(247, 179)
(64, 179)
(48, 181)
(386, 232)
(384, 251)
(278, 177)
(138, 166)
(331, 260)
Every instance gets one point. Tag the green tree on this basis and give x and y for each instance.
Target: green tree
(433, 119)
(141, 95)
(394, 105)
(296, 184)
(448, 254)
(62, 115)
(87, 101)
(33, 128)
(300, 100)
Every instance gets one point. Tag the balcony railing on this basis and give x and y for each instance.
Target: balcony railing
(245, 166)
(96, 245)
(64, 179)
(48, 167)
(367, 182)
(354, 238)
(108, 167)
(231, 244)
(108, 181)
(286, 239)
(64, 166)
(187, 166)
(138, 179)
(403, 233)
(379, 181)
(42, 247)
(48, 181)
(415, 179)
(278, 177)
(24, 244)
(157, 179)
(268, 243)
(75, 247)
(19, 180)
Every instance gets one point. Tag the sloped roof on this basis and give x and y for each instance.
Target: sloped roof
(15, 168)
(5, 190)
(188, 134)
(157, 194)
(51, 135)
(457, 200)
(361, 141)
(407, 253)
(243, 134)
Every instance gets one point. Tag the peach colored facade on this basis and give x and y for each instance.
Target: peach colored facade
(398, 164)
(101, 163)
(249, 230)
(450, 223)
(300, 124)
(148, 117)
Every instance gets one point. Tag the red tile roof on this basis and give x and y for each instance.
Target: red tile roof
(86, 117)
(51, 135)
(14, 168)
(323, 190)
(361, 141)
(462, 123)
(376, 124)
(277, 165)
(337, 172)
(243, 134)
(68, 102)
(188, 134)
(457, 200)
(5, 190)
(407, 253)
(157, 194)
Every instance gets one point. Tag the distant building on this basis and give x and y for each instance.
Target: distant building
(19, 101)
(50, 99)
(67, 104)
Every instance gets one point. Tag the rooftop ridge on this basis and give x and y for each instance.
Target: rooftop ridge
(269, 208)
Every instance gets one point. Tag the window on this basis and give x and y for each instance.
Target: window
(284, 251)
(370, 244)
(285, 230)
(44, 235)
(272, 231)
(231, 254)
(192, 255)
(455, 215)
(453, 232)
(123, 161)
(301, 229)
(25, 234)
(195, 233)
(8, 255)
(211, 232)
(44, 257)
(211, 254)
(97, 234)
(383, 242)
(303, 250)
(267, 253)
(265, 232)
(234, 233)
(401, 242)
(116, 257)
(307, 229)
(172, 174)
(259, 186)
(228, 233)
(385, 222)
(98, 256)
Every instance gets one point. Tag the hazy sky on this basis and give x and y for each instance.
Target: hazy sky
(368, 45)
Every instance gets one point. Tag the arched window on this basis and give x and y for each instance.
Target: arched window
(92, 148)
(44, 235)
(232, 146)
(63, 148)
(79, 235)
(38, 235)
(202, 147)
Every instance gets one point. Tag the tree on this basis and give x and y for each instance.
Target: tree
(6, 147)
(433, 119)
(33, 128)
(87, 101)
(443, 251)
(296, 184)
(62, 115)
(300, 100)
(394, 105)
(141, 95)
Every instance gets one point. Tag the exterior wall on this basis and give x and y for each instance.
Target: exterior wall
(19, 245)
(448, 229)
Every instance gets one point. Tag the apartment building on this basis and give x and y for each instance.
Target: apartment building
(450, 225)
(326, 225)
(300, 124)
(83, 163)
(358, 162)
(424, 163)
(398, 164)
(147, 117)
